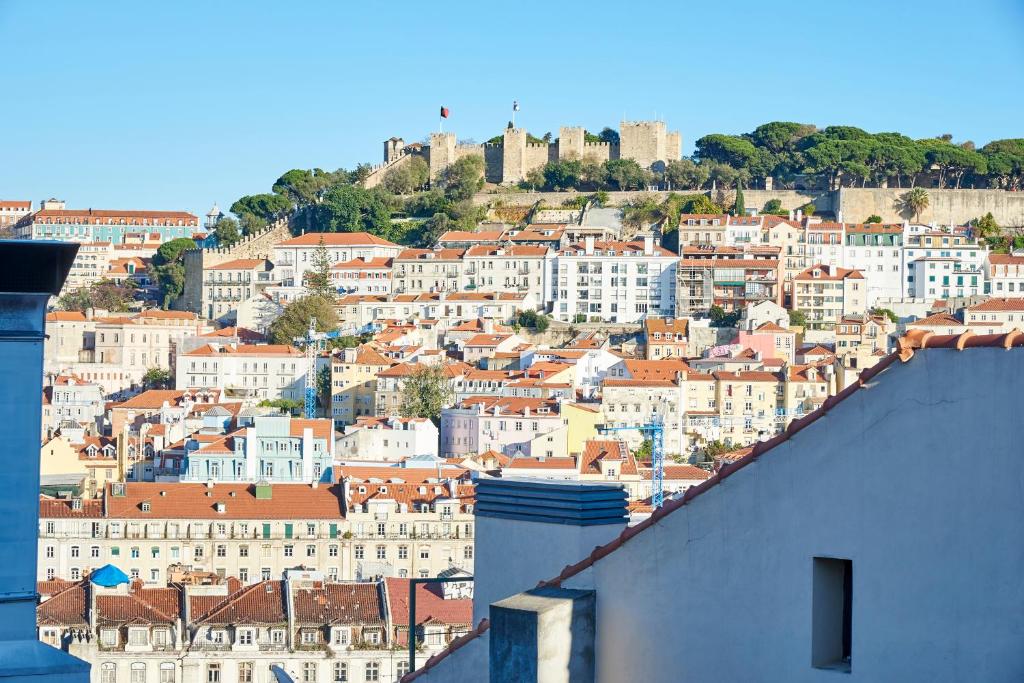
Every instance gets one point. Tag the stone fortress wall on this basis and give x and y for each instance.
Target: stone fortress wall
(649, 143)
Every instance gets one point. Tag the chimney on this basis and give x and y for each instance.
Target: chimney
(648, 245)
(30, 273)
(588, 245)
(529, 530)
(799, 215)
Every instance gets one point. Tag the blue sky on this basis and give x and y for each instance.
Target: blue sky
(175, 105)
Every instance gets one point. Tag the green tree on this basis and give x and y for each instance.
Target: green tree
(227, 231)
(913, 202)
(351, 208)
(625, 174)
(301, 186)
(294, 320)
(808, 209)
(157, 378)
(255, 211)
(425, 392)
(407, 177)
(873, 218)
(642, 211)
(169, 268)
(464, 178)
(104, 294)
(987, 230)
(683, 174)
(741, 206)
(700, 203)
(609, 135)
(643, 454)
(886, 312)
(1005, 160)
(323, 386)
(719, 318)
(797, 318)
(318, 277)
(285, 405)
(772, 206)
(533, 320)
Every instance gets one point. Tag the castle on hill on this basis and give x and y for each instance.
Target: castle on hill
(648, 143)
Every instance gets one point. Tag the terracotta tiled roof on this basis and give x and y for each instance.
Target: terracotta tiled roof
(470, 236)
(509, 405)
(596, 451)
(241, 264)
(190, 501)
(635, 247)
(337, 239)
(487, 339)
(66, 316)
(937, 320)
(829, 273)
(680, 472)
(408, 494)
(53, 508)
(665, 326)
(357, 474)
(1006, 259)
(527, 463)
(430, 605)
(66, 608)
(431, 255)
(378, 262)
(745, 376)
(772, 327)
(153, 398)
(157, 314)
(261, 603)
(244, 350)
(1001, 305)
(141, 605)
(514, 251)
(655, 369)
(339, 603)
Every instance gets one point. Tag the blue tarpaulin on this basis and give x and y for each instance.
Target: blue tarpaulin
(108, 575)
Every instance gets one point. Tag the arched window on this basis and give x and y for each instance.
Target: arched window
(108, 672)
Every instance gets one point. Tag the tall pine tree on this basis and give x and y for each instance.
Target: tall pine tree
(318, 278)
(741, 207)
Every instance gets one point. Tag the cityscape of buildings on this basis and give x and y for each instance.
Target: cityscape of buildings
(232, 488)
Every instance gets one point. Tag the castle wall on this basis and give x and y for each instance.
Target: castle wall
(570, 142)
(945, 207)
(442, 153)
(642, 141)
(514, 155)
(536, 156)
(260, 245)
(493, 162)
(673, 146)
(600, 151)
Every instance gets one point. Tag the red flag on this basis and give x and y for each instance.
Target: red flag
(444, 112)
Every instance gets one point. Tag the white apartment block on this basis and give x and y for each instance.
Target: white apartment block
(416, 271)
(530, 426)
(1005, 273)
(293, 258)
(827, 293)
(616, 282)
(925, 251)
(516, 268)
(350, 531)
(363, 276)
(264, 371)
(12, 211)
(387, 439)
(227, 285)
(876, 250)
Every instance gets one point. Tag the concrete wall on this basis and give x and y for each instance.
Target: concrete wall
(722, 588)
(945, 207)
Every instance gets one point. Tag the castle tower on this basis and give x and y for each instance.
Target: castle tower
(442, 153)
(514, 156)
(392, 148)
(570, 142)
(643, 142)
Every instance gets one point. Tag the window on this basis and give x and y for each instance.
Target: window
(138, 674)
(167, 672)
(332, 550)
(74, 551)
(108, 637)
(243, 551)
(309, 637)
(138, 636)
(340, 636)
(213, 673)
(245, 672)
(382, 552)
(310, 551)
(309, 672)
(359, 552)
(245, 636)
(467, 552)
(424, 552)
(277, 636)
(340, 672)
(289, 550)
(372, 671)
(403, 552)
(108, 673)
(832, 613)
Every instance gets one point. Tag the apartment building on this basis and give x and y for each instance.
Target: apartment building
(226, 285)
(12, 211)
(665, 338)
(265, 448)
(363, 276)
(616, 282)
(293, 258)
(354, 383)
(997, 315)
(876, 250)
(731, 283)
(55, 222)
(353, 530)
(257, 371)
(697, 229)
(75, 401)
(526, 426)
(387, 439)
(827, 293)
(149, 339)
(447, 309)
(416, 271)
(943, 264)
(632, 403)
(509, 268)
(303, 627)
(1005, 274)
(824, 243)
(391, 383)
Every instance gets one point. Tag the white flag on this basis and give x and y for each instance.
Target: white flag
(515, 105)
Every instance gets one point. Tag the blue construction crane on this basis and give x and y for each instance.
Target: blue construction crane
(314, 341)
(656, 429)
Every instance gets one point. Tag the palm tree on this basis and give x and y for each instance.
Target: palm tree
(915, 201)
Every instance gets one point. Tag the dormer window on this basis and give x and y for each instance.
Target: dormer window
(145, 506)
